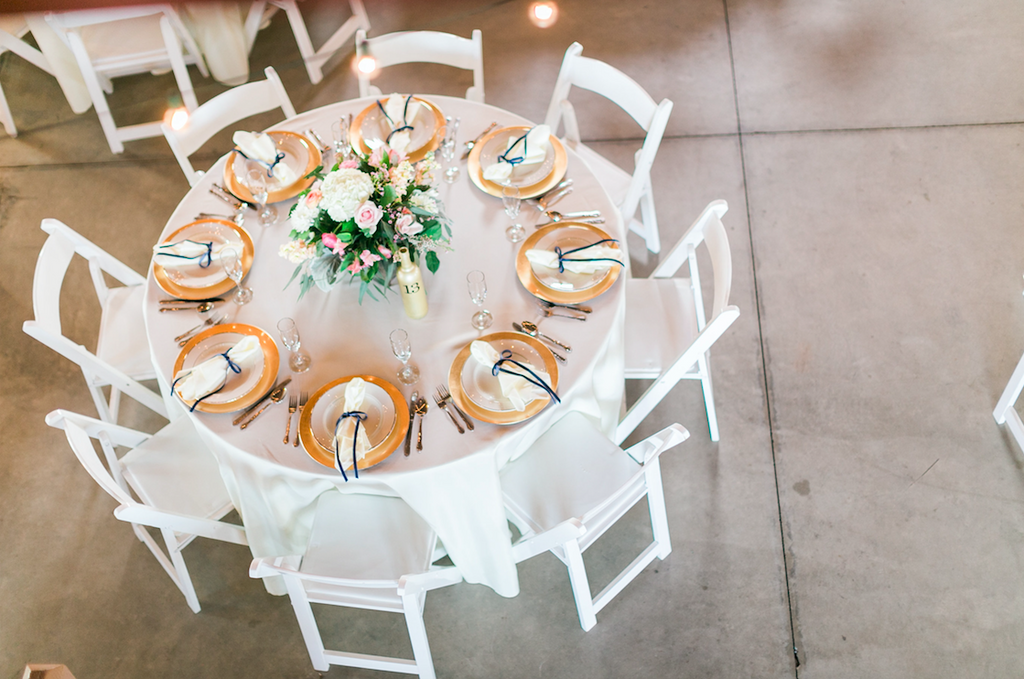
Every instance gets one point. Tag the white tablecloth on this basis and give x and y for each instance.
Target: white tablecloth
(453, 483)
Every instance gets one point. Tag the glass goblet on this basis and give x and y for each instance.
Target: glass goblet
(512, 199)
(256, 181)
(232, 262)
(448, 151)
(408, 373)
(299, 361)
(339, 128)
(478, 293)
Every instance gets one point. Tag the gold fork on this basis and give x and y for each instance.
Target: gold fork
(293, 403)
(447, 398)
(302, 404)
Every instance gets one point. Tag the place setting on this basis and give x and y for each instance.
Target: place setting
(408, 124)
(192, 262)
(567, 263)
(529, 159)
(269, 167)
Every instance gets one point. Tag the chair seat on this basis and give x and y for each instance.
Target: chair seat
(367, 537)
(139, 37)
(567, 473)
(613, 178)
(174, 471)
(660, 321)
(122, 342)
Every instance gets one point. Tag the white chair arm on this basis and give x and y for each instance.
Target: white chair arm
(269, 566)
(207, 528)
(570, 529)
(654, 445)
(432, 579)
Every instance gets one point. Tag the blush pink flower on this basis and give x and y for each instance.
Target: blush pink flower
(378, 155)
(368, 258)
(354, 267)
(332, 242)
(313, 198)
(408, 225)
(366, 217)
(349, 164)
(385, 253)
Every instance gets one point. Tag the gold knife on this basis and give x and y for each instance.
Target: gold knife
(251, 409)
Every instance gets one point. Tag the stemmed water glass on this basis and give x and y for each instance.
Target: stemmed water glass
(256, 182)
(408, 373)
(339, 128)
(448, 151)
(232, 263)
(478, 293)
(511, 199)
(299, 361)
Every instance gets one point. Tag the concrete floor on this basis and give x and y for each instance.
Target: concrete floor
(862, 504)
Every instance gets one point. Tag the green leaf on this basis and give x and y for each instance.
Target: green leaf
(294, 274)
(307, 283)
(431, 232)
(388, 195)
(317, 172)
(432, 261)
(420, 212)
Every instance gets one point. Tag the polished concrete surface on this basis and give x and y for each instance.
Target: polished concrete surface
(862, 505)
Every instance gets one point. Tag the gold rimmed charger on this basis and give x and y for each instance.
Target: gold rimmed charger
(221, 232)
(368, 119)
(242, 390)
(515, 342)
(300, 154)
(486, 148)
(567, 235)
(383, 448)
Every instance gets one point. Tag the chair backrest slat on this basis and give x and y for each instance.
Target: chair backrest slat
(424, 47)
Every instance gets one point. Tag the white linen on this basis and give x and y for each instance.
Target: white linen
(548, 259)
(169, 255)
(518, 390)
(355, 391)
(400, 116)
(259, 146)
(210, 375)
(454, 483)
(537, 144)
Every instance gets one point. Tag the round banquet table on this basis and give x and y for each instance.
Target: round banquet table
(454, 482)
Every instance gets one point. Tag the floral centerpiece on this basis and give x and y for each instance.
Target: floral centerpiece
(351, 221)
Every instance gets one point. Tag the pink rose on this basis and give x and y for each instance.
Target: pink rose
(408, 225)
(378, 155)
(313, 198)
(350, 164)
(367, 215)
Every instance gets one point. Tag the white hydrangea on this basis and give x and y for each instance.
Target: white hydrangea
(297, 251)
(344, 190)
(306, 210)
(425, 200)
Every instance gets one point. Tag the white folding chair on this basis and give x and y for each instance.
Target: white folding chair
(628, 191)
(667, 333)
(122, 353)
(423, 47)
(313, 58)
(108, 43)
(12, 28)
(226, 108)
(1005, 412)
(369, 552)
(174, 476)
(572, 485)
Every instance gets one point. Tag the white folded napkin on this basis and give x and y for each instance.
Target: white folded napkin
(516, 389)
(547, 259)
(355, 392)
(537, 143)
(210, 375)
(259, 146)
(187, 255)
(400, 116)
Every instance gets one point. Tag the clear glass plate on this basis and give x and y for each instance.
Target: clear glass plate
(568, 237)
(521, 176)
(296, 157)
(424, 126)
(380, 414)
(482, 387)
(237, 385)
(188, 273)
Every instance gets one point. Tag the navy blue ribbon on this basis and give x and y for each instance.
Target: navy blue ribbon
(359, 416)
(506, 357)
(562, 255)
(234, 367)
(270, 166)
(205, 259)
(517, 159)
(405, 119)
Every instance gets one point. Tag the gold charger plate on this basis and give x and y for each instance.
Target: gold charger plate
(252, 389)
(534, 285)
(470, 407)
(355, 133)
(375, 455)
(164, 277)
(476, 170)
(292, 144)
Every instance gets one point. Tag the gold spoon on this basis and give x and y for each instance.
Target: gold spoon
(532, 330)
(202, 308)
(421, 410)
(275, 397)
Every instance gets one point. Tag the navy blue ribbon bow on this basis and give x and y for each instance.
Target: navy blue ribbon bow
(232, 366)
(270, 166)
(205, 259)
(506, 357)
(562, 255)
(360, 417)
(515, 160)
(405, 119)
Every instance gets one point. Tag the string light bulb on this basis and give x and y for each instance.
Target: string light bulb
(176, 118)
(544, 14)
(366, 64)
